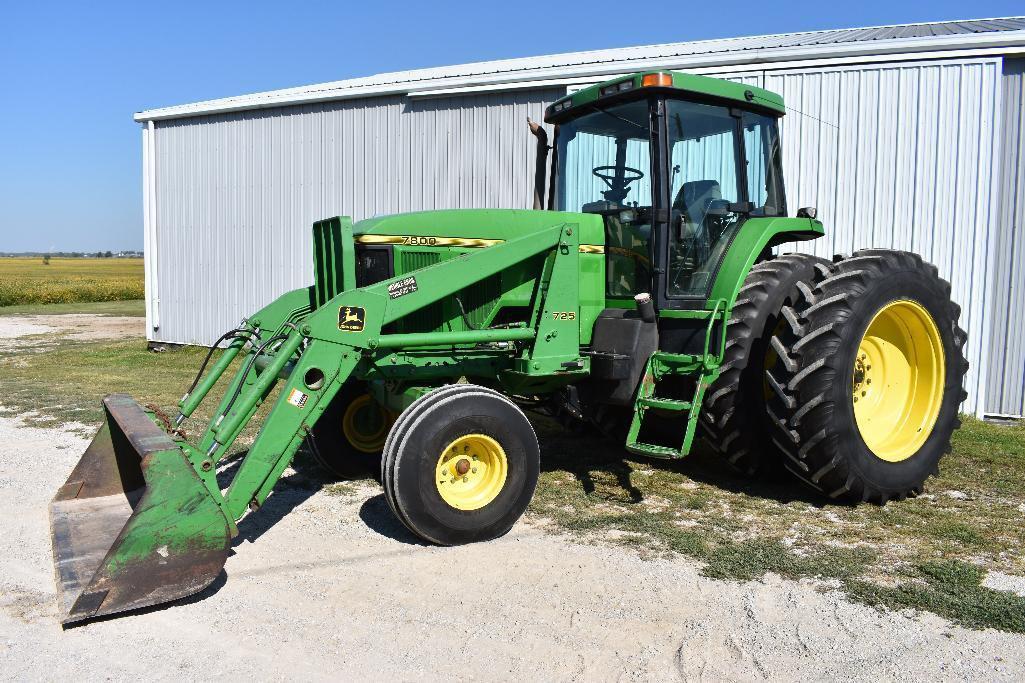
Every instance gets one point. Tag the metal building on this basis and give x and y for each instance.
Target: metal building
(911, 137)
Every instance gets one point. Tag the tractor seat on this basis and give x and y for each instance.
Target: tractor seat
(694, 197)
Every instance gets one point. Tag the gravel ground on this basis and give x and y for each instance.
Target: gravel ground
(30, 332)
(324, 586)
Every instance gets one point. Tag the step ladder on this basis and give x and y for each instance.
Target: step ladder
(660, 364)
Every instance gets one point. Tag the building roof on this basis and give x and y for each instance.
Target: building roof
(721, 53)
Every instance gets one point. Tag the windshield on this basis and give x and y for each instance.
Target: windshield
(605, 168)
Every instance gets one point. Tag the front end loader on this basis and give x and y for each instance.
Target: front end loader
(647, 304)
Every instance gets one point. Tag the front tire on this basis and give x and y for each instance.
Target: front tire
(461, 465)
(871, 372)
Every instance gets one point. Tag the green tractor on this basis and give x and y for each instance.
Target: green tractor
(646, 302)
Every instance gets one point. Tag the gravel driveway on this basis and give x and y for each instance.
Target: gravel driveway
(324, 586)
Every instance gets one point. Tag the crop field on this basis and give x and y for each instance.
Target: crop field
(26, 281)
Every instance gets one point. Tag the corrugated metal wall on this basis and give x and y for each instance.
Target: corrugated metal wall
(1005, 389)
(899, 155)
(236, 194)
(902, 156)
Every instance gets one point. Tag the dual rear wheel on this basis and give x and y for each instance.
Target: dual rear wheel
(848, 373)
(865, 397)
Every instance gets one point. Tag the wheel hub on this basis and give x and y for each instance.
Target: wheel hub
(897, 380)
(471, 472)
(365, 424)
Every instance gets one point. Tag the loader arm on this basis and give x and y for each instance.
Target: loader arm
(159, 527)
(332, 354)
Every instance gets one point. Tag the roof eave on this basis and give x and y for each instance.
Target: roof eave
(1009, 40)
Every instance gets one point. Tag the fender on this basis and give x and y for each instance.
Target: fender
(753, 238)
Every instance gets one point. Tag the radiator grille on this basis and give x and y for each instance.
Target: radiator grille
(479, 300)
(327, 260)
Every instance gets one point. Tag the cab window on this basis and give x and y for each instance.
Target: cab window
(704, 144)
(605, 168)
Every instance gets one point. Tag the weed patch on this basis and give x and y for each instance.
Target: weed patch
(952, 589)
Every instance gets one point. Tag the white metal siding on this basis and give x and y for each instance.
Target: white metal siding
(237, 193)
(1005, 390)
(900, 155)
(903, 158)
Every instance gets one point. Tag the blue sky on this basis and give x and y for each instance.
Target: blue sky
(72, 74)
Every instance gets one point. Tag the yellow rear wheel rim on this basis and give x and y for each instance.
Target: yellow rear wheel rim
(365, 424)
(898, 380)
(471, 472)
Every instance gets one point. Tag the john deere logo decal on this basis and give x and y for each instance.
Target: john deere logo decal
(351, 318)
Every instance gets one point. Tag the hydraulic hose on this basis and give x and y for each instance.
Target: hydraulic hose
(192, 398)
(230, 422)
(233, 334)
(245, 372)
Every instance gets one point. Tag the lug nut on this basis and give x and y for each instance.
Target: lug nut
(465, 479)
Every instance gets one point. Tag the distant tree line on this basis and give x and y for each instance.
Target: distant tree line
(74, 254)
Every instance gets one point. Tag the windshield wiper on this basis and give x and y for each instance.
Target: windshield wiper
(621, 118)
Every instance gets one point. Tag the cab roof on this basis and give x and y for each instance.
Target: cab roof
(627, 87)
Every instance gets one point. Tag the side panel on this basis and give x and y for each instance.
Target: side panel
(1005, 388)
(422, 239)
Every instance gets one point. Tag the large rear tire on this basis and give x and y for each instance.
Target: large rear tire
(871, 372)
(461, 465)
(733, 418)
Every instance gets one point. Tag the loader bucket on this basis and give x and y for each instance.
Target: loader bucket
(134, 525)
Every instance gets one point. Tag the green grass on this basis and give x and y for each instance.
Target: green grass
(67, 381)
(951, 589)
(970, 517)
(132, 308)
(69, 280)
(927, 553)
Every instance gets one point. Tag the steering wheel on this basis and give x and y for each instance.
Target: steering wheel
(600, 172)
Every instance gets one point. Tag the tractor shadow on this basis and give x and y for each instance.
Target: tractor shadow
(376, 514)
(290, 492)
(591, 458)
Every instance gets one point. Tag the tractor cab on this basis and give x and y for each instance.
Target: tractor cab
(675, 164)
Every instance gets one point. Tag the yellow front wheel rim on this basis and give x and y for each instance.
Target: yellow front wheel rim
(471, 472)
(898, 380)
(365, 424)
